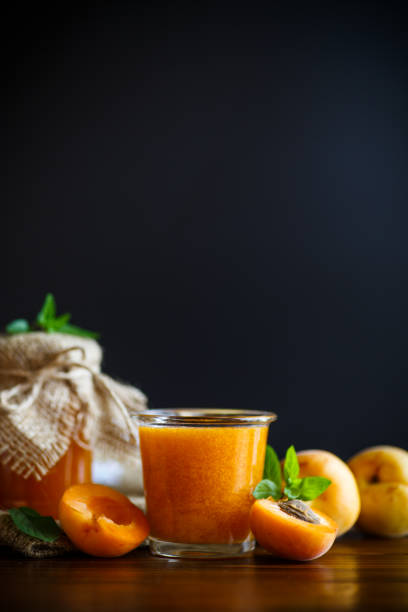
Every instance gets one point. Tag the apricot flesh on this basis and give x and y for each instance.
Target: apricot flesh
(101, 521)
(290, 537)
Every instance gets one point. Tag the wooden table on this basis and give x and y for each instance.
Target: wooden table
(357, 574)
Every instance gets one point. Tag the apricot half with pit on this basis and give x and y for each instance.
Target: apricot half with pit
(101, 521)
(291, 530)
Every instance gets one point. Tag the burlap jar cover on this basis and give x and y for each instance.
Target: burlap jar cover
(52, 392)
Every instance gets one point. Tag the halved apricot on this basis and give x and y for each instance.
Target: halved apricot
(291, 530)
(101, 521)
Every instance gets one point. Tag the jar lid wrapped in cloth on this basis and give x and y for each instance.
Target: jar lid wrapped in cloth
(52, 392)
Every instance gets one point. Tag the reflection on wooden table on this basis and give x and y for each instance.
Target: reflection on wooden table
(358, 573)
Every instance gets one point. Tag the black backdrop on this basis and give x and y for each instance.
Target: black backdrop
(222, 192)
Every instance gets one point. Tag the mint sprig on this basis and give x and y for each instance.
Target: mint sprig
(305, 489)
(32, 523)
(48, 321)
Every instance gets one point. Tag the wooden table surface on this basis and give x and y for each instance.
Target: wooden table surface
(358, 573)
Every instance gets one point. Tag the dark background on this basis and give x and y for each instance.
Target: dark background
(221, 190)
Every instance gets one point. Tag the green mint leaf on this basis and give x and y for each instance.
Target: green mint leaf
(291, 466)
(47, 312)
(18, 326)
(33, 524)
(56, 324)
(305, 489)
(266, 488)
(78, 331)
(290, 493)
(272, 468)
(312, 486)
(292, 490)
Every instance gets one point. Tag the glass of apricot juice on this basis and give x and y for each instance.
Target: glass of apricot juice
(200, 467)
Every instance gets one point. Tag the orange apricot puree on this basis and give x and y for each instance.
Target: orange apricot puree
(199, 481)
(44, 495)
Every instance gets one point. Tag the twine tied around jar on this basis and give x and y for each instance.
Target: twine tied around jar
(52, 393)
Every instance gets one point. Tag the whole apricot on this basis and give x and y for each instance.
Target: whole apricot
(341, 500)
(382, 477)
(101, 521)
(291, 530)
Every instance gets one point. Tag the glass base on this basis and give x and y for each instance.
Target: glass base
(201, 551)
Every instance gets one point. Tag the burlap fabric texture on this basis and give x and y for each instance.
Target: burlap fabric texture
(52, 392)
(27, 545)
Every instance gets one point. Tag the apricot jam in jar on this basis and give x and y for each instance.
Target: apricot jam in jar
(43, 495)
(200, 467)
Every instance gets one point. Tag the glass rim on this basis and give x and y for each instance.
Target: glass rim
(204, 417)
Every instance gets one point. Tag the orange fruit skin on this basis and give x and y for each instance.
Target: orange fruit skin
(289, 537)
(101, 521)
(341, 501)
